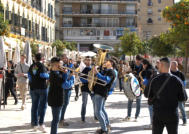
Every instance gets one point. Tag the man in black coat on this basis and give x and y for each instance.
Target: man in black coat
(165, 103)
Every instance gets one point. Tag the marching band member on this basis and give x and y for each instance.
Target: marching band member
(55, 95)
(84, 88)
(136, 69)
(67, 86)
(101, 93)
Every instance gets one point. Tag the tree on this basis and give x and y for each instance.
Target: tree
(117, 50)
(161, 47)
(130, 43)
(178, 15)
(34, 47)
(4, 25)
(70, 45)
(60, 46)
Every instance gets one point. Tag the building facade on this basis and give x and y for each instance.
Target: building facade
(150, 20)
(94, 21)
(31, 19)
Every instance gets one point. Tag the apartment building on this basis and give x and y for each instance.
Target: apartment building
(30, 20)
(94, 21)
(150, 20)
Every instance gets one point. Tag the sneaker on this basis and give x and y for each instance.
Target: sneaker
(76, 98)
(109, 128)
(16, 102)
(127, 119)
(42, 129)
(35, 128)
(135, 119)
(63, 123)
(184, 124)
(22, 107)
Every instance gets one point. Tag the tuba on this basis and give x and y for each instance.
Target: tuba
(99, 61)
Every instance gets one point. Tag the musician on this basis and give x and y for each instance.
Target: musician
(55, 95)
(136, 68)
(84, 88)
(175, 71)
(67, 86)
(101, 93)
(165, 103)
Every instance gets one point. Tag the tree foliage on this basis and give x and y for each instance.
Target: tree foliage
(4, 25)
(59, 47)
(70, 45)
(161, 46)
(34, 47)
(131, 43)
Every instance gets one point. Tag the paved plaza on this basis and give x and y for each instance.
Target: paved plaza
(15, 121)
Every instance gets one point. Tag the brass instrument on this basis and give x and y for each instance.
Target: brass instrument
(101, 55)
(142, 80)
(62, 68)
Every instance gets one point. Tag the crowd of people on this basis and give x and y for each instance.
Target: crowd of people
(163, 85)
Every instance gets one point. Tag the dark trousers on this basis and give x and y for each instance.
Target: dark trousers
(170, 121)
(9, 86)
(121, 84)
(77, 90)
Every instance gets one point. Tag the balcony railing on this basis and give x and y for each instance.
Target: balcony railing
(97, 0)
(100, 12)
(101, 25)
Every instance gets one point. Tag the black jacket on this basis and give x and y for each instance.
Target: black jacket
(55, 95)
(103, 90)
(35, 79)
(173, 92)
(84, 87)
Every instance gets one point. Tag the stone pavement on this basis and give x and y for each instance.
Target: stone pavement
(15, 121)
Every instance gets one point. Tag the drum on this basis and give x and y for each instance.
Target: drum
(131, 86)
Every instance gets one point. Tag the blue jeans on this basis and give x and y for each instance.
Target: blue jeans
(150, 108)
(105, 114)
(99, 102)
(56, 114)
(130, 103)
(121, 84)
(84, 104)
(183, 112)
(39, 106)
(67, 94)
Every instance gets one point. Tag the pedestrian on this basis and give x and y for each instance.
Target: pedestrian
(9, 82)
(136, 68)
(164, 92)
(21, 73)
(179, 74)
(101, 93)
(77, 80)
(120, 74)
(55, 95)
(38, 90)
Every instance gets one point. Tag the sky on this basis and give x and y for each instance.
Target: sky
(177, 0)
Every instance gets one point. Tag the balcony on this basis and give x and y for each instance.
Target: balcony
(98, 1)
(99, 12)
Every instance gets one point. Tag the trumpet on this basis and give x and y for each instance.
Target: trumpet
(81, 75)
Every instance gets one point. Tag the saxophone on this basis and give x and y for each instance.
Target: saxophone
(142, 80)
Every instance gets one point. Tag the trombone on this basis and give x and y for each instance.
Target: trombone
(104, 83)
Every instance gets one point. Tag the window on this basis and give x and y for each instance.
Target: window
(149, 21)
(147, 35)
(67, 9)
(159, 18)
(130, 22)
(67, 22)
(150, 3)
(130, 9)
(159, 10)
(149, 11)
(159, 1)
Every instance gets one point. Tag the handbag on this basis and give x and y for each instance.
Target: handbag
(151, 100)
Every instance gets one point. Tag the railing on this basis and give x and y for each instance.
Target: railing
(101, 25)
(96, 0)
(93, 11)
